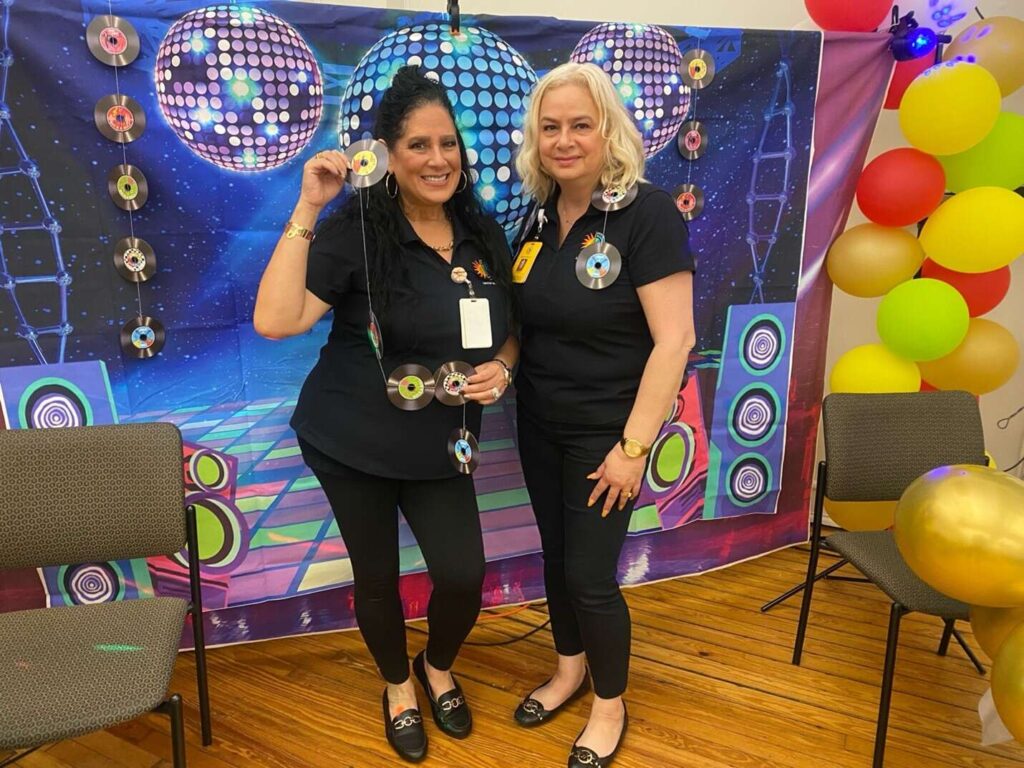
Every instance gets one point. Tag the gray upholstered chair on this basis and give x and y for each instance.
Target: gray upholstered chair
(875, 446)
(82, 495)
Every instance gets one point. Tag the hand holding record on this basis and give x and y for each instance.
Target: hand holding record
(323, 176)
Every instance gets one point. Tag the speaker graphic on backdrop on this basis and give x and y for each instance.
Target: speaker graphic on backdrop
(751, 396)
(64, 395)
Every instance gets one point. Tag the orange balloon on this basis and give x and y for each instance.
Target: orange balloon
(985, 360)
(997, 44)
(870, 260)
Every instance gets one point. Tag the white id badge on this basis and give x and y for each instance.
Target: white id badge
(475, 316)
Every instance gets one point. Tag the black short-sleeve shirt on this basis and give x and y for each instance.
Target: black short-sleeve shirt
(343, 411)
(584, 350)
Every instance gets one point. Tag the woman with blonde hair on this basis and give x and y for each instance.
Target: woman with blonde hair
(604, 280)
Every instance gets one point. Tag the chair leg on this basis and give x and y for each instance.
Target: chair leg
(16, 757)
(970, 654)
(827, 573)
(812, 566)
(172, 708)
(947, 635)
(895, 615)
(201, 679)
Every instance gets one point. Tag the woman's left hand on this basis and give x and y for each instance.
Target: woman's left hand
(487, 385)
(620, 476)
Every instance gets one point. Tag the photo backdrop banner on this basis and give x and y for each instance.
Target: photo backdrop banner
(234, 98)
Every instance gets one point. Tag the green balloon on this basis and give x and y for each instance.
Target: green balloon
(997, 161)
(923, 319)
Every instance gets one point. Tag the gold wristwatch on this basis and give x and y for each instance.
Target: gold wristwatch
(634, 449)
(293, 230)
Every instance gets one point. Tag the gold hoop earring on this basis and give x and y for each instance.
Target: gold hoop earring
(465, 182)
(387, 188)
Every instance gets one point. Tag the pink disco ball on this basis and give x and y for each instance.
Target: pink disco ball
(643, 62)
(239, 87)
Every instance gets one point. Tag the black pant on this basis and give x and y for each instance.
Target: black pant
(444, 517)
(581, 548)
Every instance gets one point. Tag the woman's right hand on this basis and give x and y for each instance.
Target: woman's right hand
(323, 176)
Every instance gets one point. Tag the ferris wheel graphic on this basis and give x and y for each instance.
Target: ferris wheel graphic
(23, 169)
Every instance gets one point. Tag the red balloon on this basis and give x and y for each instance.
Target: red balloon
(903, 75)
(848, 15)
(926, 387)
(900, 187)
(982, 291)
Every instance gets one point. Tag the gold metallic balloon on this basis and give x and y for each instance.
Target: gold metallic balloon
(861, 515)
(985, 360)
(991, 626)
(961, 529)
(997, 44)
(870, 260)
(1008, 683)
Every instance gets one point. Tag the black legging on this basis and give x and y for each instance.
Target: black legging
(444, 517)
(581, 549)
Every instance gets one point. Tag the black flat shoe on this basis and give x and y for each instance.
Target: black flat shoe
(531, 713)
(582, 757)
(405, 732)
(450, 710)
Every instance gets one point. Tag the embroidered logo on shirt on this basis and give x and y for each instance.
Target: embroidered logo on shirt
(481, 270)
(593, 237)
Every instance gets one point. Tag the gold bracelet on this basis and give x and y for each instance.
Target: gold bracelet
(293, 230)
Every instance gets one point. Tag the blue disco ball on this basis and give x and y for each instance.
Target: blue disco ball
(643, 62)
(488, 83)
(239, 87)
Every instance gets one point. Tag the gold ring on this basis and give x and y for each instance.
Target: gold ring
(496, 393)
(317, 155)
(629, 494)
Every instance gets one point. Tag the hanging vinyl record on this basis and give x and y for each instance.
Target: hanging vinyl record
(692, 139)
(120, 118)
(449, 381)
(689, 200)
(134, 259)
(367, 163)
(142, 337)
(598, 265)
(112, 40)
(698, 68)
(410, 387)
(463, 450)
(613, 198)
(127, 187)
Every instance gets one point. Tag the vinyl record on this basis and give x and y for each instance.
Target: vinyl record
(692, 139)
(368, 162)
(134, 260)
(120, 118)
(112, 40)
(598, 265)
(689, 200)
(698, 68)
(127, 187)
(410, 387)
(449, 381)
(613, 198)
(142, 337)
(463, 450)
(373, 334)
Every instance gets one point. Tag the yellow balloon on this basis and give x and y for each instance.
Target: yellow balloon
(977, 230)
(991, 626)
(870, 260)
(986, 359)
(872, 368)
(997, 44)
(961, 529)
(861, 515)
(1008, 683)
(950, 107)
(991, 460)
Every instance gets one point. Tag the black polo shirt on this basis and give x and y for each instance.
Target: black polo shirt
(584, 350)
(343, 411)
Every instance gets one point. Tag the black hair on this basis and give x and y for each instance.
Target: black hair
(409, 91)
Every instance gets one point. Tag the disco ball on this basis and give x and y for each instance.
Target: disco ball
(239, 87)
(643, 62)
(488, 83)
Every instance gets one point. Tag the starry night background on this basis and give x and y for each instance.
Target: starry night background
(213, 229)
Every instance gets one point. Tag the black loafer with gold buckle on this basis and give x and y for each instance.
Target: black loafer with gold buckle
(405, 732)
(451, 712)
(583, 757)
(531, 713)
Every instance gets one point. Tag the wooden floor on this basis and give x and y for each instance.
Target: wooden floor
(711, 687)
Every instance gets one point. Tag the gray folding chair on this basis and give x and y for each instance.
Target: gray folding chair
(85, 495)
(875, 446)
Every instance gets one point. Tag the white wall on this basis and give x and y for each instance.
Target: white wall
(853, 320)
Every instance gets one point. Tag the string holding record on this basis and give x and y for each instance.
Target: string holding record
(410, 387)
(143, 336)
(689, 200)
(134, 259)
(698, 68)
(120, 118)
(598, 265)
(127, 187)
(613, 198)
(463, 450)
(367, 163)
(449, 381)
(692, 139)
(112, 40)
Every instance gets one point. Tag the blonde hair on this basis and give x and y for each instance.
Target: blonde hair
(623, 150)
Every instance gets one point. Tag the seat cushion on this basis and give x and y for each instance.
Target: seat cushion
(75, 669)
(875, 554)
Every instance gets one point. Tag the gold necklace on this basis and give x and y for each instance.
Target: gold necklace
(447, 247)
